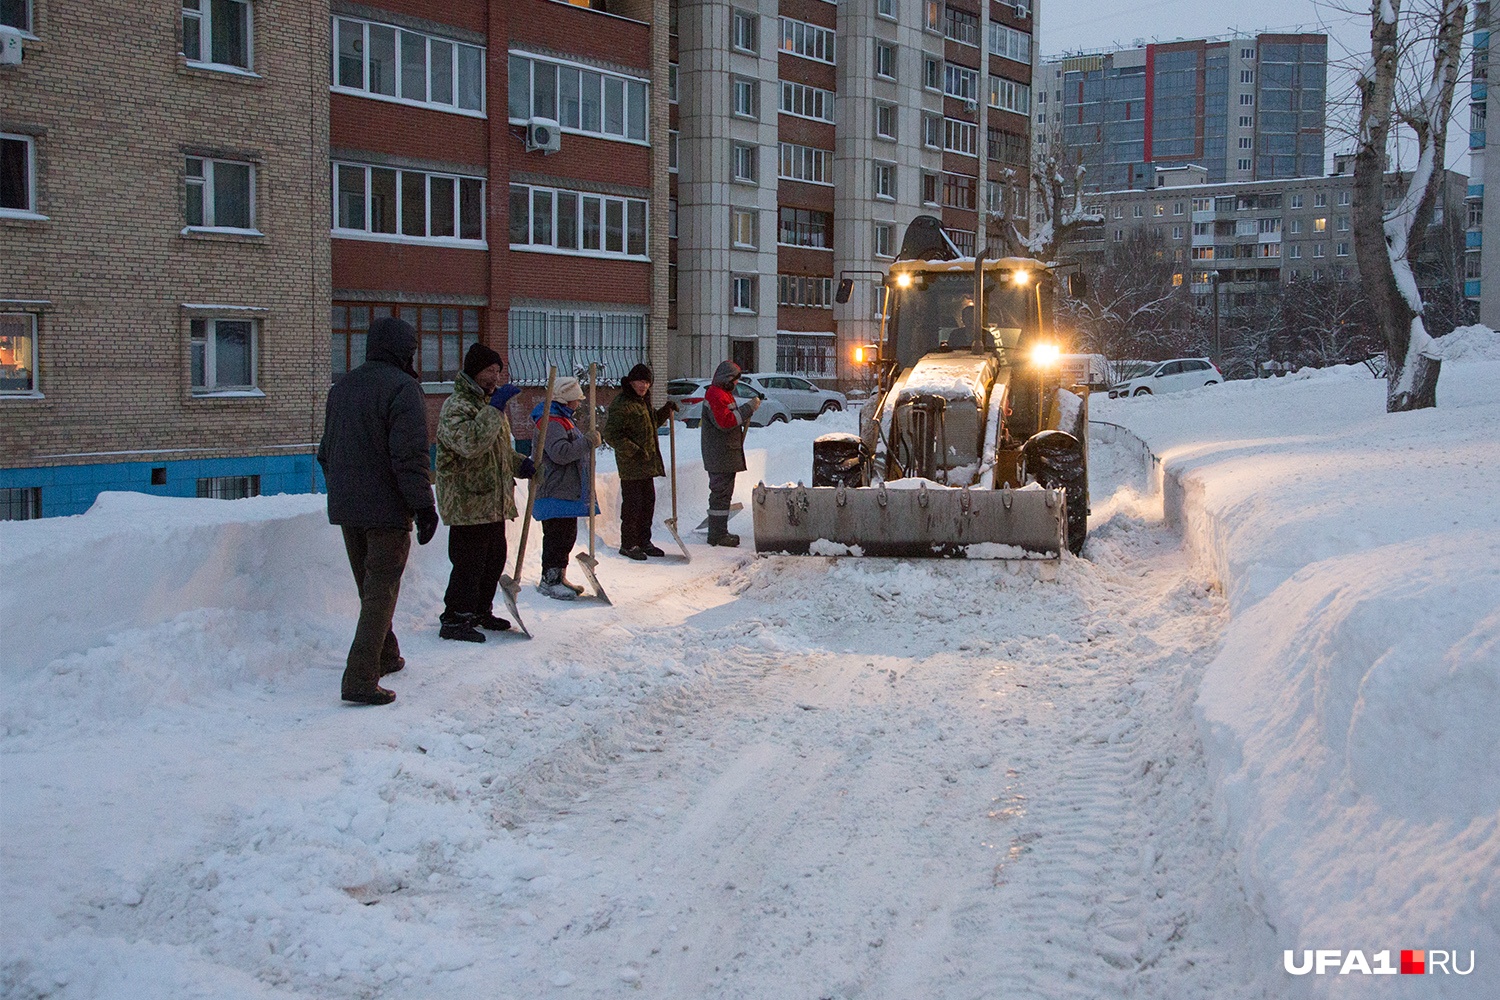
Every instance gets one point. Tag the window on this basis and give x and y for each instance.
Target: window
(961, 82)
(223, 355)
(1341, 249)
(961, 26)
(1247, 142)
(615, 339)
(16, 14)
(886, 8)
(1242, 164)
(444, 335)
(929, 188)
(1294, 226)
(1296, 201)
(1270, 225)
(742, 293)
(743, 228)
(960, 137)
(1247, 76)
(1247, 100)
(746, 98)
(1008, 43)
(672, 218)
(885, 60)
(1320, 200)
(673, 93)
(1008, 95)
(217, 33)
(219, 194)
(805, 227)
(1118, 212)
(672, 151)
(807, 102)
(381, 60)
(1176, 232)
(932, 131)
(17, 175)
(805, 163)
(962, 239)
(20, 503)
(578, 98)
(806, 40)
(1296, 251)
(1007, 147)
(745, 31)
(885, 121)
(17, 354)
(228, 487)
(405, 205)
(1319, 250)
(1203, 253)
(575, 222)
(1247, 53)
(743, 165)
(932, 15)
(1342, 224)
(883, 183)
(1246, 121)
(800, 290)
(1343, 198)
(932, 73)
(808, 354)
(1320, 225)
(959, 191)
(1268, 250)
(885, 239)
(1177, 207)
(1137, 211)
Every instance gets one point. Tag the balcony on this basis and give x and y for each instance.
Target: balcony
(1476, 139)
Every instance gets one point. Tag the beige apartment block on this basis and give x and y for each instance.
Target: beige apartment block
(164, 250)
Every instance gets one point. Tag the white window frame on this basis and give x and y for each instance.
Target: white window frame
(803, 101)
(742, 220)
(804, 291)
(883, 240)
(960, 137)
(35, 391)
(205, 184)
(1008, 43)
(807, 41)
(625, 80)
(210, 386)
(467, 243)
(932, 130)
(429, 40)
(740, 86)
(744, 31)
(742, 156)
(204, 14)
(742, 294)
(886, 9)
(960, 82)
(932, 74)
(29, 212)
(25, 28)
(885, 60)
(806, 164)
(1008, 95)
(605, 202)
(886, 130)
(883, 180)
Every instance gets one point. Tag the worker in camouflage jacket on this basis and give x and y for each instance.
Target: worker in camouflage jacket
(476, 470)
(630, 429)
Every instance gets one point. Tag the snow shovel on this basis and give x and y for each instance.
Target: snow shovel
(588, 562)
(734, 509)
(510, 586)
(671, 522)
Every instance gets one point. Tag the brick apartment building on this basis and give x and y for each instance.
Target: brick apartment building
(163, 260)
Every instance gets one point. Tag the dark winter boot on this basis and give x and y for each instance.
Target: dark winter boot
(554, 586)
(392, 666)
(460, 627)
(631, 552)
(492, 622)
(652, 550)
(376, 695)
(718, 531)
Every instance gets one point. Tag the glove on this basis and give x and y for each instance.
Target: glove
(671, 406)
(595, 437)
(427, 522)
(504, 394)
(527, 469)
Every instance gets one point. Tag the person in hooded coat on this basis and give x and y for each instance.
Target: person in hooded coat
(630, 429)
(563, 496)
(374, 459)
(476, 482)
(723, 440)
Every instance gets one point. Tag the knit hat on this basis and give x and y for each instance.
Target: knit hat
(567, 390)
(479, 358)
(640, 373)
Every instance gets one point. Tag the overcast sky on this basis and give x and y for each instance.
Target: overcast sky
(1091, 25)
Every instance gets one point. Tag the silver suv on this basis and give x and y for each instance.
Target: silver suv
(1169, 376)
(801, 397)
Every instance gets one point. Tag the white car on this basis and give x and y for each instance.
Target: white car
(1169, 376)
(687, 393)
(801, 397)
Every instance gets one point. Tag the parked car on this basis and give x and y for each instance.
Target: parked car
(800, 396)
(687, 393)
(1169, 376)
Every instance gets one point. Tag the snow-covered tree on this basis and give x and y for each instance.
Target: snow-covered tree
(1132, 309)
(1408, 82)
(1329, 322)
(1057, 212)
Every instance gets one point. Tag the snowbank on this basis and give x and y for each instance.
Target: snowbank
(1351, 716)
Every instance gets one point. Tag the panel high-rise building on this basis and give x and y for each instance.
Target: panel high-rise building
(1248, 108)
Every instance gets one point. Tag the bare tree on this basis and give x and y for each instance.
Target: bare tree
(1329, 322)
(1427, 47)
(1059, 214)
(1133, 308)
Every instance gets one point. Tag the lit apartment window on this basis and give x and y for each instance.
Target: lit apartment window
(1269, 250)
(444, 335)
(742, 293)
(885, 60)
(805, 227)
(223, 355)
(381, 60)
(806, 163)
(594, 225)
(743, 165)
(405, 205)
(932, 15)
(572, 340)
(1320, 225)
(217, 33)
(806, 102)
(16, 14)
(885, 121)
(17, 354)
(742, 228)
(932, 131)
(219, 194)
(745, 32)
(885, 239)
(746, 98)
(17, 175)
(884, 181)
(1008, 95)
(578, 98)
(806, 40)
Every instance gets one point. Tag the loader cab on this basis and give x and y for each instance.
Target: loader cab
(930, 311)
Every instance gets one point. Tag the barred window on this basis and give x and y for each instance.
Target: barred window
(228, 487)
(804, 163)
(540, 338)
(20, 503)
(809, 354)
(802, 290)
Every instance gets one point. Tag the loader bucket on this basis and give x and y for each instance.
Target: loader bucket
(876, 521)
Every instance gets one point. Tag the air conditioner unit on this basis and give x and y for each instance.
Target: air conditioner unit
(10, 46)
(543, 135)
(971, 105)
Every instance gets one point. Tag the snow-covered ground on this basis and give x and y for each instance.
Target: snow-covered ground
(782, 777)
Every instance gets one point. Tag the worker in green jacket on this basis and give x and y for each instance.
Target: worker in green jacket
(630, 429)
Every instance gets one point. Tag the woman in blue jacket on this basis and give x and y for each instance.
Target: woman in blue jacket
(563, 496)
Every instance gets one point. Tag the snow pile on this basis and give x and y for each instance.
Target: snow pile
(1468, 343)
(1351, 714)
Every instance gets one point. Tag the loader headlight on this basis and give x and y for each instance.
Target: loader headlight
(1021, 277)
(1045, 355)
(903, 280)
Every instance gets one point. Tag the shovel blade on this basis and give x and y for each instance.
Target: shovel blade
(734, 509)
(671, 524)
(509, 589)
(589, 564)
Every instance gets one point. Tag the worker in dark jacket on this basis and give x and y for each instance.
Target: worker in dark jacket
(630, 429)
(563, 496)
(374, 459)
(723, 437)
